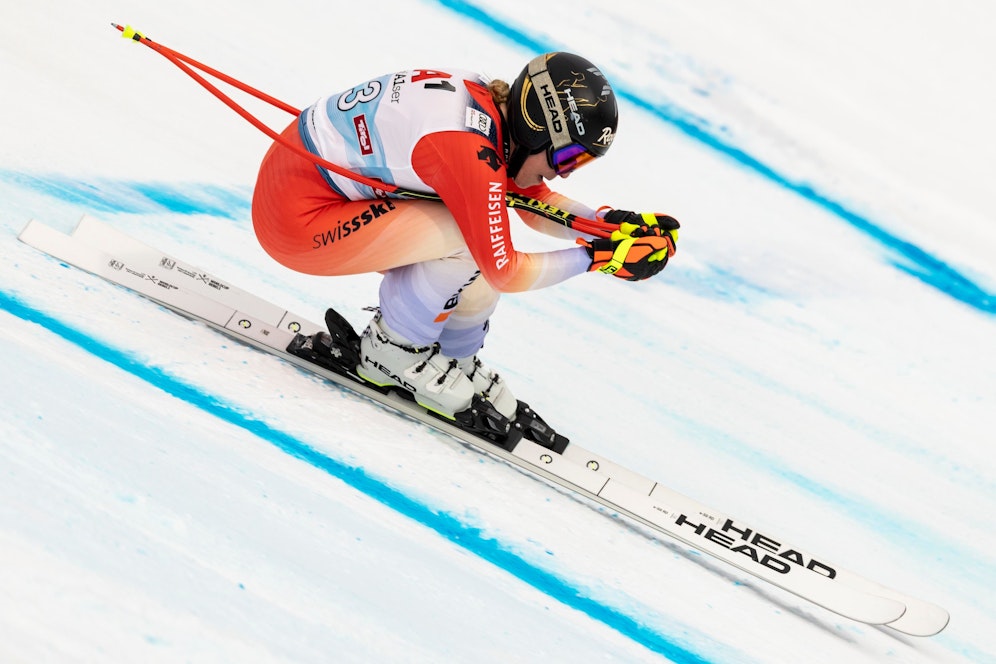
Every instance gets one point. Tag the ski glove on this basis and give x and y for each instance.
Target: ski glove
(638, 250)
(641, 225)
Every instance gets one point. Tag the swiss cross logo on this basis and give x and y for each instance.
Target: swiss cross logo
(363, 134)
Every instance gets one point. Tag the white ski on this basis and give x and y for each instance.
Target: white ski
(102, 250)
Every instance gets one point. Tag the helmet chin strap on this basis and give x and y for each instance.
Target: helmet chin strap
(518, 158)
(514, 157)
(515, 161)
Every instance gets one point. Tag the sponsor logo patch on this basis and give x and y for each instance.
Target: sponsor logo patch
(479, 121)
(363, 134)
(488, 155)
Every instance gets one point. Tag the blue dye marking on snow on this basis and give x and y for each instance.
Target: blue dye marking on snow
(446, 525)
(716, 283)
(925, 267)
(913, 535)
(137, 197)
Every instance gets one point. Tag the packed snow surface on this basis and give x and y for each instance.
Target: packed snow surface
(818, 360)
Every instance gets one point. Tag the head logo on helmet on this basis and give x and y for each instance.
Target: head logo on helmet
(563, 104)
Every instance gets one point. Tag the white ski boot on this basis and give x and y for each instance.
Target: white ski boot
(490, 386)
(435, 380)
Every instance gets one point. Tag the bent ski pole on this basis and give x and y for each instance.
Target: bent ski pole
(187, 65)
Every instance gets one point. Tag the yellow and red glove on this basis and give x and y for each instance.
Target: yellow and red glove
(638, 250)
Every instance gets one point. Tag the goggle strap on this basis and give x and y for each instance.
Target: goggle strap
(555, 117)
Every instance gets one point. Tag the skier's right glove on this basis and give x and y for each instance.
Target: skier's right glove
(628, 257)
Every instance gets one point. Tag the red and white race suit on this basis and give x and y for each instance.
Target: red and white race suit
(425, 131)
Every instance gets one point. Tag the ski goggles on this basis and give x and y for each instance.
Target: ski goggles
(566, 159)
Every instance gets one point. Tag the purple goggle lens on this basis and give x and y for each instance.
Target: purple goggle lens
(567, 158)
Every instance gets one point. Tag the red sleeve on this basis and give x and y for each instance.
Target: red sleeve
(466, 172)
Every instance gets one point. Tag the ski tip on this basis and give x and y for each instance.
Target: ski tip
(880, 611)
(922, 619)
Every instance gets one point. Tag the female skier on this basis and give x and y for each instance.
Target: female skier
(463, 142)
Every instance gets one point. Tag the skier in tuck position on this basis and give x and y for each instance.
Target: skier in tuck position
(444, 263)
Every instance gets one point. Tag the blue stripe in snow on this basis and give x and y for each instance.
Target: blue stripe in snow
(105, 195)
(446, 525)
(928, 538)
(910, 258)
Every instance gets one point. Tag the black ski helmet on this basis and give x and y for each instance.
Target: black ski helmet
(560, 99)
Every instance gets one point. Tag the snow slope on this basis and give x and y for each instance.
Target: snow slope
(818, 360)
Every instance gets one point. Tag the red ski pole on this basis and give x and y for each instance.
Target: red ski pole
(187, 64)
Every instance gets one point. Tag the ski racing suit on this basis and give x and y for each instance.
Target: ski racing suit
(425, 131)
